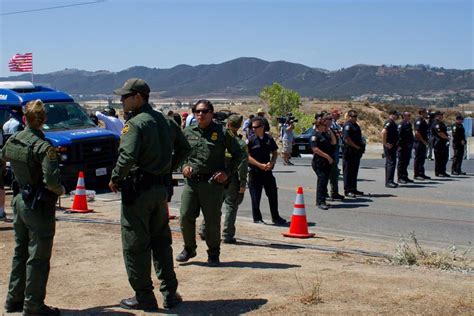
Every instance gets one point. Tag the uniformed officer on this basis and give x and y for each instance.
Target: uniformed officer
(390, 139)
(205, 174)
(440, 144)
(336, 129)
(459, 141)
(263, 153)
(405, 147)
(354, 147)
(322, 144)
(141, 173)
(421, 144)
(235, 187)
(36, 168)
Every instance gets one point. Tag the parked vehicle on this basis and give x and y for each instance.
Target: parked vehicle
(81, 145)
(301, 143)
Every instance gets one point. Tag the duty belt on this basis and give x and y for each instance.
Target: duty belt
(201, 177)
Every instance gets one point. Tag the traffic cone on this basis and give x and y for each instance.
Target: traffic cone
(299, 225)
(79, 205)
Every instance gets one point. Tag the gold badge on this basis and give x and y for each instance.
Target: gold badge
(214, 136)
(125, 129)
(52, 154)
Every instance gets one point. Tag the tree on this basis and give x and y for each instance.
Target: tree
(280, 100)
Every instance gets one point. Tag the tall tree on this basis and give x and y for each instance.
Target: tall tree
(279, 99)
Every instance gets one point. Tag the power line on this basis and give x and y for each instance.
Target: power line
(52, 8)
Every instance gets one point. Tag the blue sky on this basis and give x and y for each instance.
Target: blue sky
(118, 34)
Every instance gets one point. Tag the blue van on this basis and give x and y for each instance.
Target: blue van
(81, 145)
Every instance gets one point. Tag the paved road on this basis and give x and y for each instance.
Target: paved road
(439, 211)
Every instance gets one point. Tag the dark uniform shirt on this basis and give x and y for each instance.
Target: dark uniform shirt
(145, 143)
(439, 127)
(323, 142)
(392, 132)
(406, 134)
(208, 147)
(352, 130)
(422, 127)
(459, 134)
(260, 149)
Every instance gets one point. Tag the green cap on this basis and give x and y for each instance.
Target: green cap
(235, 120)
(133, 85)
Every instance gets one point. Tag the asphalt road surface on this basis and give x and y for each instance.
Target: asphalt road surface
(440, 211)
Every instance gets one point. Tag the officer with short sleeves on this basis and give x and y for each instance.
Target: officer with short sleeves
(405, 147)
(420, 145)
(459, 141)
(354, 147)
(440, 144)
(390, 139)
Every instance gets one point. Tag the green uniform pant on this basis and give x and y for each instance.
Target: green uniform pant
(34, 233)
(146, 236)
(208, 197)
(232, 200)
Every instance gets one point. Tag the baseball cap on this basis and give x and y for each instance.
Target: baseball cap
(394, 112)
(133, 85)
(438, 113)
(459, 117)
(235, 120)
(336, 112)
(260, 111)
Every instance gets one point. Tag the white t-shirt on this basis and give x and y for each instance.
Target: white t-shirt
(112, 124)
(11, 126)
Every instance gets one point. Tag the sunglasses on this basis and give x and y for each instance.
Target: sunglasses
(353, 115)
(254, 127)
(125, 96)
(203, 111)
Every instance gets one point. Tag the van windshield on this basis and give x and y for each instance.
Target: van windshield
(66, 116)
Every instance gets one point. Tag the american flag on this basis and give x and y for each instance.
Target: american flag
(21, 63)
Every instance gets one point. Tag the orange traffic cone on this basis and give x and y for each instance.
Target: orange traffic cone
(79, 205)
(299, 225)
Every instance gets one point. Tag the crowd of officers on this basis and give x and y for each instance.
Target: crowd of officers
(217, 165)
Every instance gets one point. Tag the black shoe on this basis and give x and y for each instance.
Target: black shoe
(132, 303)
(44, 310)
(259, 221)
(185, 255)
(454, 173)
(462, 173)
(358, 192)
(172, 300)
(391, 185)
(337, 196)
(350, 194)
(202, 236)
(323, 206)
(409, 180)
(13, 307)
(290, 163)
(426, 177)
(402, 181)
(5, 219)
(443, 175)
(279, 221)
(230, 240)
(420, 178)
(213, 261)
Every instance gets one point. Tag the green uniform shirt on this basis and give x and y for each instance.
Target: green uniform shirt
(29, 152)
(145, 143)
(208, 148)
(242, 168)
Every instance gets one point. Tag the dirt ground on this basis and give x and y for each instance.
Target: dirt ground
(264, 273)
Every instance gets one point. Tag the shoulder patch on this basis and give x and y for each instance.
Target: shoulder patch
(214, 136)
(52, 154)
(387, 125)
(313, 138)
(437, 126)
(125, 129)
(347, 127)
(418, 122)
(454, 128)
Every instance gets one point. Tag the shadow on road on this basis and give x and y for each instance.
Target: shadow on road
(366, 180)
(102, 310)
(284, 171)
(217, 307)
(410, 186)
(356, 200)
(348, 205)
(381, 195)
(246, 264)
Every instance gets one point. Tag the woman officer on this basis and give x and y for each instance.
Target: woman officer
(322, 143)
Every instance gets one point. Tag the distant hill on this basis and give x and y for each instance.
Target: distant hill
(246, 76)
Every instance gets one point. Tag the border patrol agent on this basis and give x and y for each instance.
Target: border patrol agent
(390, 139)
(405, 147)
(459, 141)
(142, 174)
(205, 174)
(353, 150)
(421, 144)
(235, 188)
(440, 144)
(36, 168)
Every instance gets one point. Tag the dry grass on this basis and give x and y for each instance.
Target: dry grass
(311, 294)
